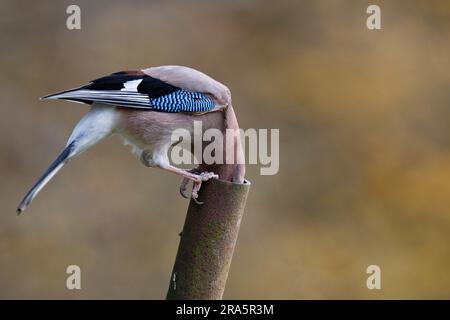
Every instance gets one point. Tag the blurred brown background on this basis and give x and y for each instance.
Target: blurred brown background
(364, 158)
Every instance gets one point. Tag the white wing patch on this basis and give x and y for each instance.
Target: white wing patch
(131, 85)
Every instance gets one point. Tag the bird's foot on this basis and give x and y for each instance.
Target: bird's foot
(185, 182)
(183, 186)
(197, 179)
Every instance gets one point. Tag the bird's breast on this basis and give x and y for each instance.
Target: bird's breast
(149, 130)
(152, 130)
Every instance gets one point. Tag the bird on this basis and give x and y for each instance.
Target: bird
(144, 106)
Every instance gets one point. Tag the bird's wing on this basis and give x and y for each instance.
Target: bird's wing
(192, 80)
(138, 90)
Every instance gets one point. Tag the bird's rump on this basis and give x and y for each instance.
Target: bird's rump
(137, 90)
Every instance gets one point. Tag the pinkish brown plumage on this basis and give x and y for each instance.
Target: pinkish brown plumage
(193, 80)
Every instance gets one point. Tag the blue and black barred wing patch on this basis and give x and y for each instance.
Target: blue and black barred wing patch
(183, 101)
(137, 90)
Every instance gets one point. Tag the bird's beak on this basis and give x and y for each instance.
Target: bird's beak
(59, 162)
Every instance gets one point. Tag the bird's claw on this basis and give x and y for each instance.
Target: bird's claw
(183, 194)
(194, 197)
(201, 177)
(183, 185)
(205, 176)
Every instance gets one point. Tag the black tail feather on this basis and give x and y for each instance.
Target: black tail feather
(48, 174)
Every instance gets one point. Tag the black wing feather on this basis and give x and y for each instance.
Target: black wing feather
(147, 92)
(152, 87)
(155, 88)
(111, 82)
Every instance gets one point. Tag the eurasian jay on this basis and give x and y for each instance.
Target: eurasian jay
(144, 107)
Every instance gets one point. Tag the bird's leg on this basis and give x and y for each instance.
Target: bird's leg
(197, 178)
(204, 176)
(185, 182)
(149, 159)
(183, 186)
(194, 193)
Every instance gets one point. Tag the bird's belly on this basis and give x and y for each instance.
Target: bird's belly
(148, 148)
(150, 130)
(137, 147)
(150, 154)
